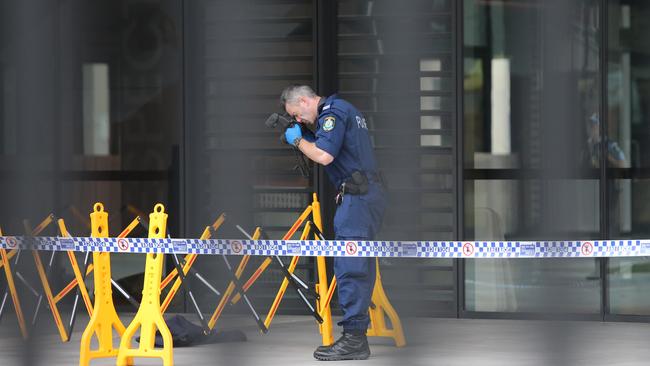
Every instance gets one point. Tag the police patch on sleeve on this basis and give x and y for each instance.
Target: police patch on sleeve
(328, 124)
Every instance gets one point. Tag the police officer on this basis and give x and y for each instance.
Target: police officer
(341, 143)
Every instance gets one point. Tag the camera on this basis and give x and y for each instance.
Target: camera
(285, 121)
(282, 119)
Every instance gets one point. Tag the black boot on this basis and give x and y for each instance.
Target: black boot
(348, 347)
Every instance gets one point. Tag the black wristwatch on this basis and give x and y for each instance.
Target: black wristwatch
(297, 140)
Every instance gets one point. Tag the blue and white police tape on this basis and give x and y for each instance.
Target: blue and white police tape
(338, 248)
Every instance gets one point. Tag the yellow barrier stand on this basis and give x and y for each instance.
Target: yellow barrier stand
(215, 226)
(285, 282)
(12, 253)
(323, 303)
(104, 317)
(77, 273)
(267, 261)
(231, 286)
(189, 261)
(382, 309)
(72, 284)
(321, 306)
(382, 306)
(149, 317)
(12, 290)
(11, 283)
(47, 291)
(50, 298)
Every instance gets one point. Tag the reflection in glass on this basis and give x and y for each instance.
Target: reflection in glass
(395, 65)
(531, 76)
(532, 286)
(628, 118)
(96, 113)
(90, 111)
(629, 280)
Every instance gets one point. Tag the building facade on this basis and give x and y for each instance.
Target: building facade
(491, 120)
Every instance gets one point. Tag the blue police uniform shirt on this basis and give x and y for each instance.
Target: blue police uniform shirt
(343, 133)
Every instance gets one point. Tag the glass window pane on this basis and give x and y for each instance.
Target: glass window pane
(629, 286)
(90, 111)
(628, 151)
(394, 64)
(531, 78)
(242, 55)
(532, 285)
(96, 109)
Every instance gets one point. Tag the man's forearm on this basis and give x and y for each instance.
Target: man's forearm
(314, 153)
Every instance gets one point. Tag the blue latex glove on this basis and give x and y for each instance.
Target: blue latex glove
(292, 134)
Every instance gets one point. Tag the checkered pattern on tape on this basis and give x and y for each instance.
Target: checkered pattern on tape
(439, 249)
(525, 248)
(257, 247)
(326, 249)
(96, 245)
(555, 249)
(22, 243)
(620, 248)
(538, 249)
(263, 252)
(135, 245)
(645, 247)
(42, 243)
(19, 242)
(378, 249)
(210, 246)
(494, 249)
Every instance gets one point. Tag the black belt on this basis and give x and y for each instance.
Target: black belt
(357, 184)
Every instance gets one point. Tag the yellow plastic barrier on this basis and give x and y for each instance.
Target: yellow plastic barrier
(231, 286)
(267, 261)
(77, 273)
(72, 284)
(384, 308)
(47, 291)
(12, 290)
(149, 317)
(322, 306)
(12, 253)
(285, 282)
(323, 303)
(189, 261)
(104, 318)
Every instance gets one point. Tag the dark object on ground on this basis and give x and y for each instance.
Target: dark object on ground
(188, 334)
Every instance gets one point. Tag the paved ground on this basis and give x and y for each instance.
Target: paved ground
(445, 342)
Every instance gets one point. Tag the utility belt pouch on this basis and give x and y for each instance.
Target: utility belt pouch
(357, 184)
